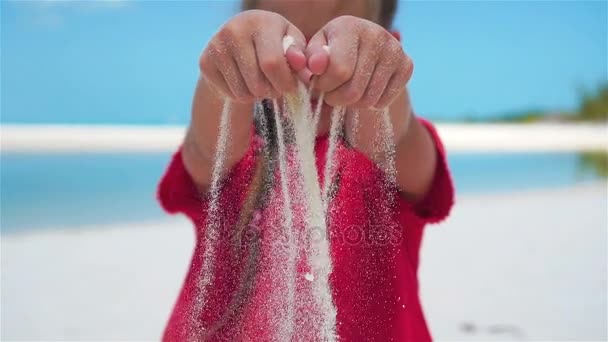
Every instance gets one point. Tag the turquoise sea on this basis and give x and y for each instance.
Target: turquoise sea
(75, 190)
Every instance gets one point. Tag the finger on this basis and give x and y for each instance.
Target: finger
(382, 74)
(305, 76)
(295, 58)
(213, 76)
(342, 62)
(395, 85)
(234, 79)
(295, 51)
(254, 78)
(273, 63)
(353, 90)
(317, 54)
(217, 81)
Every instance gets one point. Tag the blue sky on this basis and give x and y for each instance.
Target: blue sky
(136, 62)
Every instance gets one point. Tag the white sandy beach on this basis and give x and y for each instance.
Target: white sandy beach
(458, 137)
(528, 265)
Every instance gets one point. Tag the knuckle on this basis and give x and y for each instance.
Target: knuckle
(205, 64)
(240, 92)
(227, 32)
(214, 51)
(384, 102)
(388, 98)
(260, 89)
(396, 48)
(386, 37)
(368, 101)
(342, 72)
(381, 38)
(402, 77)
(380, 102)
(332, 100)
(409, 68)
(392, 90)
(208, 51)
(353, 93)
(389, 44)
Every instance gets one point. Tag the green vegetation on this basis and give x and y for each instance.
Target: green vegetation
(526, 116)
(523, 117)
(596, 162)
(594, 105)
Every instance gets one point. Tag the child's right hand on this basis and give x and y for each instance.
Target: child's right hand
(245, 59)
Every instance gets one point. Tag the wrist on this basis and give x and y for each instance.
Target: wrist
(410, 128)
(195, 162)
(402, 117)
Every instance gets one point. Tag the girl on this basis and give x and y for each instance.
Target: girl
(374, 231)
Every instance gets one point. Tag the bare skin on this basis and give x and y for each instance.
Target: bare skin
(245, 62)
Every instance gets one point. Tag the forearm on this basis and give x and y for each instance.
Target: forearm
(415, 152)
(415, 156)
(200, 143)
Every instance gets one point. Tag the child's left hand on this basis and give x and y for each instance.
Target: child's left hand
(365, 66)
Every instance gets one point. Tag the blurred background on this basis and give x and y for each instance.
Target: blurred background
(518, 89)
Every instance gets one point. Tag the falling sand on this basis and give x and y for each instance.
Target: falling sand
(288, 322)
(354, 126)
(212, 225)
(388, 146)
(337, 120)
(314, 217)
(298, 182)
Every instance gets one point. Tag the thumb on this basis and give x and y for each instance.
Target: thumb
(294, 44)
(317, 53)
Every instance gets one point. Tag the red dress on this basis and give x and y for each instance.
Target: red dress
(374, 280)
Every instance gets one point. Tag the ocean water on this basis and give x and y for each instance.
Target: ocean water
(77, 190)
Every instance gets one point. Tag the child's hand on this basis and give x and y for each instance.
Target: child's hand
(365, 67)
(245, 59)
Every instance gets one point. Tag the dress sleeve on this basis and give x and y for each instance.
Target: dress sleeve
(177, 192)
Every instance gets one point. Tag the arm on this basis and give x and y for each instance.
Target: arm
(199, 147)
(415, 152)
(365, 68)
